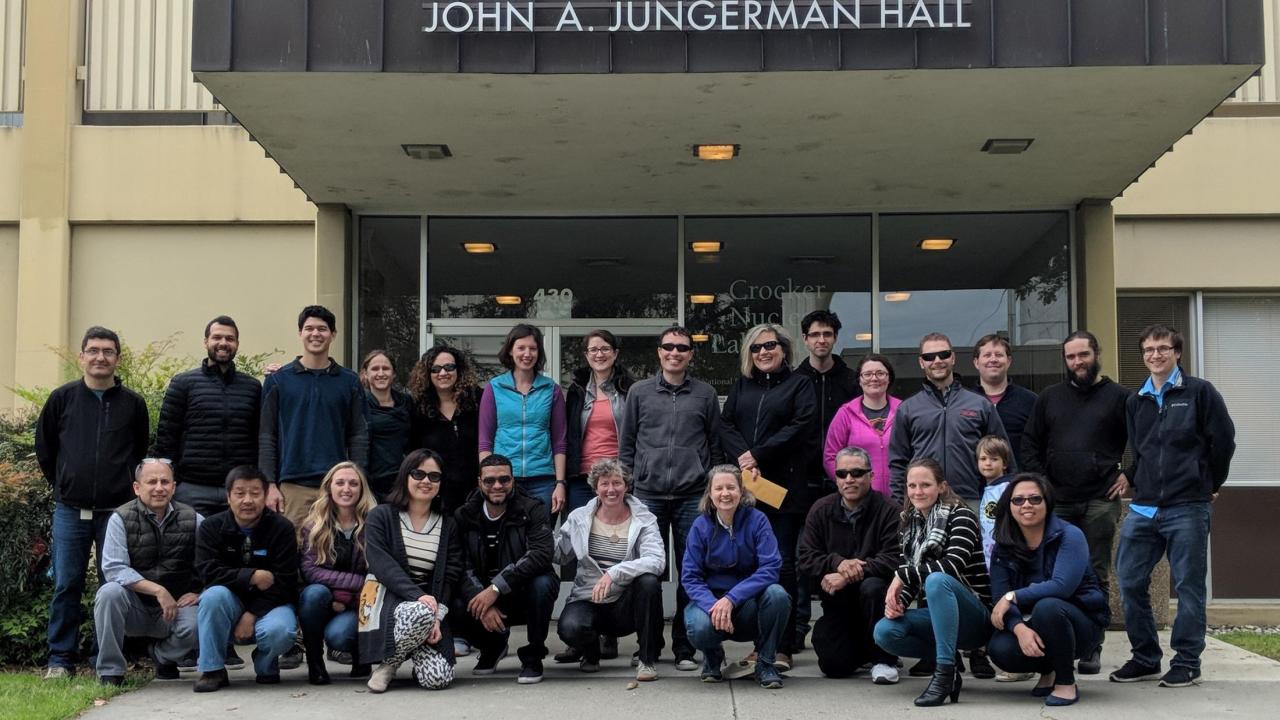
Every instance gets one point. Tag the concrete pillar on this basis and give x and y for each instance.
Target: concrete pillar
(51, 106)
(333, 225)
(1096, 231)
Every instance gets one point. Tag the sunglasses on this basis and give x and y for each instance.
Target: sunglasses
(1021, 500)
(445, 368)
(676, 347)
(434, 477)
(854, 473)
(151, 461)
(766, 345)
(940, 355)
(497, 480)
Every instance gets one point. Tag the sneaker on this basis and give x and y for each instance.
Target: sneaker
(608, 647)
(531, 672)
(293, 658)
(380, 679)
(211, 681)
(461, 648)
(711, 662)
(782, 662)
(568, 655)
(980, 667)
(684, 663)
(1091, 665)
(339, 657)
(188, 663)
(1134, 671)
(589, 665)
(268, 679)
(884, 674)
(167, 671)
(1006, 677)
(57, 672)
(768, 677)
(114, 680)
(1179, 676)
(924, 668)
(635, 659)
(742, 668)
(233, 661)
(646, 673)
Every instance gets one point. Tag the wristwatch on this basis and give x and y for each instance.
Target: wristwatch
(1009, 597)
(496, 591)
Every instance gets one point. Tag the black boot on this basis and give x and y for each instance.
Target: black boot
(317, 674)
(359, 669)
(946, 683)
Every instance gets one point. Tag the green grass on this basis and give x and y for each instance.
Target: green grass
(24, 696)
(1266, 645)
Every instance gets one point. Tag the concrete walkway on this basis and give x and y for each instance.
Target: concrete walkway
(1235, 684)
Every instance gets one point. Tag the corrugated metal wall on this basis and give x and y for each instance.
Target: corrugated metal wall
(11, 55)
(139, 58)
(1266, 86)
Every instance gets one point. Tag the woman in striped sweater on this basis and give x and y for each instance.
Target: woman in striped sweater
(942, 563)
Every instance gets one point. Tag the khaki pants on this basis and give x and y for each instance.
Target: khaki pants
(297, 502)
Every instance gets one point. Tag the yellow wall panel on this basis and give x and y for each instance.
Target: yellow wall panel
(10, 171)
(1197, 253)
(8, 311)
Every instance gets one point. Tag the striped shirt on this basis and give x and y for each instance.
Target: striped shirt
(962, 559)
(607, 544)
(420, 548)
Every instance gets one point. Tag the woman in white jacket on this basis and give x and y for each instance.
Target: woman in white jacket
(615, 542)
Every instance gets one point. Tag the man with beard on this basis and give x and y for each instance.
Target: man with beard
(1076, 437)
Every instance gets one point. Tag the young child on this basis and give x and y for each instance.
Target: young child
(994, 461)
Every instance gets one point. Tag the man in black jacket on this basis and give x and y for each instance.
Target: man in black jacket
(247, 558)
(507, 577)
(1183, 440)
(850, 544)
(91, 434)
(992, 358)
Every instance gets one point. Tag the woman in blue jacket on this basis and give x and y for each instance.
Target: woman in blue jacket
(731, 565)
(1052, 609)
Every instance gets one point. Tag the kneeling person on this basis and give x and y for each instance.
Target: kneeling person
(148, 579)
(615, 541)
(850, 543)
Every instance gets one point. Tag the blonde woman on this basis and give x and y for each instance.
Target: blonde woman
(333, 565)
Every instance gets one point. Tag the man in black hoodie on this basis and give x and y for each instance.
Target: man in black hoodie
(91, 434)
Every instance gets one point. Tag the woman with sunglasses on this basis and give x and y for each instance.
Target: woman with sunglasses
(942, 563)
(447, 398)
(415, 555)
(1052, 609)
(768, 426)
(333, 565)
(867, 421)
(389, 413)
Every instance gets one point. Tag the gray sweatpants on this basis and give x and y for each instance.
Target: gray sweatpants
(118, 613)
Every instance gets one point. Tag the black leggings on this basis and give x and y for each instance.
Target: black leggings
(1067, 632)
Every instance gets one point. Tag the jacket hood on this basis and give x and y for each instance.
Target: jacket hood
(805, 367)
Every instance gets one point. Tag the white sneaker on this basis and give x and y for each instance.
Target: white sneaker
(461, 648)
(884, 674)
(381, 677)
(1003, 676)
(646, 673)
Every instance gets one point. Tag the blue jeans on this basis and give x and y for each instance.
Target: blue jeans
(762, 619)
(955, 618)
(579, 493)
(316, 615)
(220, 610)
(539, 487)
(675, 520)
(1181, 531)
(72, 540)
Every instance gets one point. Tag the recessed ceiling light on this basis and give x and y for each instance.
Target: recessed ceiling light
(897, 297)
(716, 152)
(702, 299)
(937, 243)
(507, 299)
(1007, 146)
(604, 261)
(706, 246)
(478, 248)
(699, 337)
(427, 151)
(864, 337)
(811, 259)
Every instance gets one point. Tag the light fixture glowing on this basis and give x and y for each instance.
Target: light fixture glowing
(700, 337)
(427, 151)
(716, 152)
(702, 299)
(1007, 146)
(863, 337)
(706, 246)
(479, 248)
(897, 297)
(507, 299)
(941, 243)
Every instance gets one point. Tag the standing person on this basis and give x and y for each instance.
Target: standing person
(867, 421)
(507, 577)
(390, 417)
(90, 435)
(614, 544)
(522, 417)
(312, 419)
(593, 411)
(942, 563)
(767, 426)
(1183, 440)
(1076, 437)
(731, 568)
(414, 553)
(149, 588)
(1052, 609)
(444, 387)
(247, 560)
(992, 358)
(334, 567)
(670, 437)
(850, 544)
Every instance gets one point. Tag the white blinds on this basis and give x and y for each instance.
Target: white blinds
(1240, 335)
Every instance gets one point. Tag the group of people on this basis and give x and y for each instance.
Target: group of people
(327, 514)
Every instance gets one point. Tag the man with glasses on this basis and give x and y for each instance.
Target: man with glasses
(668, 438)
(149, 587)
(850, 545)
(1183, 440)
(91, 434)
(507, 577)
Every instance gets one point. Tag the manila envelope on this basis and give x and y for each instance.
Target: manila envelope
(766, 491)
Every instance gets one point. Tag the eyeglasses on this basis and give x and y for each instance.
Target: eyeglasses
(445, 368)
(1161, 350)
(766, 345)
(104, 352)
(1020, 500)
(602, 350)
(497, 480)
(821, 335)
(852, 473)
(434, 477)
(874, 375)
(676, 347)
(940, 355)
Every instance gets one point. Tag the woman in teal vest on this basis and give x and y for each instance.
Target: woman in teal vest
(522, 416)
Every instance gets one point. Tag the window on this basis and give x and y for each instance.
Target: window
(1133, 315)
(389, 290)
(1238, 331)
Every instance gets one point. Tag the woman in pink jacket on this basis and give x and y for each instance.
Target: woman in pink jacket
(866, 421)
